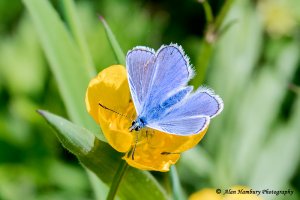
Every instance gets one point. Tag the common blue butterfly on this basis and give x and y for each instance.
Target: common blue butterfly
(162, 99)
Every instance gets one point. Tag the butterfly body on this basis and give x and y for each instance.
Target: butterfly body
(163, 101)
(137, 124)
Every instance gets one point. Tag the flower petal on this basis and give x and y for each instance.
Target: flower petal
(110, 88)
(116, 128)
(157, 150)
(206, 194)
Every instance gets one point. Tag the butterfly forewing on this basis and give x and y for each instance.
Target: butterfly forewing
(172, 72)
(140, 69)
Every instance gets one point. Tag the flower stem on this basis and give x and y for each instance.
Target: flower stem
(178, 194)
(207, 10)
(117, 180)
(211, 35)
(224, 10)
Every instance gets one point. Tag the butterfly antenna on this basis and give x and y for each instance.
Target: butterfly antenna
(115, 111)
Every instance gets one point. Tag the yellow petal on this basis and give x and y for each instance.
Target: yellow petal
(148, 154)
(109, 88)
(115, 128)
(206, 194)
(157, 150)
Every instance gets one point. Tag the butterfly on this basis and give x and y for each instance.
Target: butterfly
(158, 83)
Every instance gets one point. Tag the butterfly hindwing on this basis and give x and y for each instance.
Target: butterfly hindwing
(187, 117)
(201, 102)
(182, 126)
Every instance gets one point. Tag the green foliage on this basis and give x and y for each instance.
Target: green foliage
(251, 143)
(71, 74)
(47, 60)
(74, 139)
(103, 160)
(114, 44)
(71, 16)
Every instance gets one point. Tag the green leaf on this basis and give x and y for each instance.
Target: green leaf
(113, 42)
(194, 164)
(73, 137)
(66, 62)
(69, 9)
(253, 131)
(281, 154)
(100, 158)
(100, 189)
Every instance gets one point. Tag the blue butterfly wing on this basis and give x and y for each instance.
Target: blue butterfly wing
(182, 126)
(203, 102)
(140, 70)
(172, 73)
(191, 115)
(153, 76)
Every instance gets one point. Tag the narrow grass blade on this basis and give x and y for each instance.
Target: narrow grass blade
(178, 193)
(66, 62)
(113, 42)
(73, 22)
(281, 155)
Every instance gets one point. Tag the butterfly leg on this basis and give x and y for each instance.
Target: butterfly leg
(134, 147)
(168, 153)
(149, 134)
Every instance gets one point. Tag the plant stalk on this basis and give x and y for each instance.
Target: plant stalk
(211, 35)
(207, 11)
(178, 194)
(117, 180)
(221, 16)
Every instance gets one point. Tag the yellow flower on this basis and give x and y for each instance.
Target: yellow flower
(211, 194)
(154, 150)
(279, 16)
(206, 194)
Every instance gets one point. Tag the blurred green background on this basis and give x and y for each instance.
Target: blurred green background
(254, 68)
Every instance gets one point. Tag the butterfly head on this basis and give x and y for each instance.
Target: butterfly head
(137, 124)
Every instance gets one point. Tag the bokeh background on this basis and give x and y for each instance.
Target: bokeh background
(254, 67)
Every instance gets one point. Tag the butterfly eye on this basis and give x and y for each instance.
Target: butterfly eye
(137, 128)
(132, 123)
